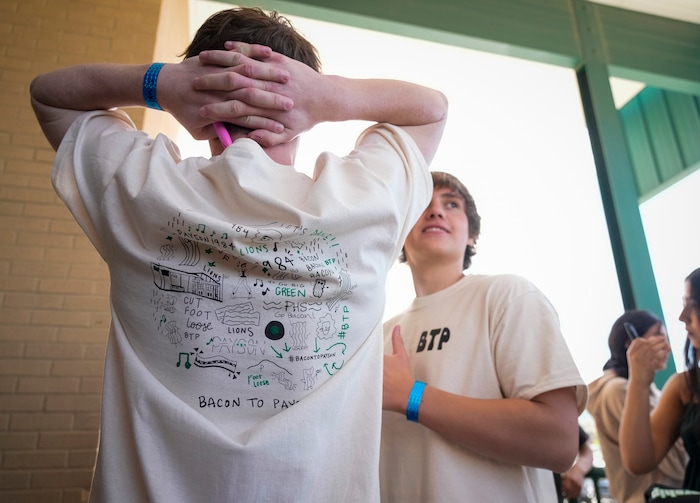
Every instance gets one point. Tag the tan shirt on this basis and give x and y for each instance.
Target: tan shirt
(606, 400)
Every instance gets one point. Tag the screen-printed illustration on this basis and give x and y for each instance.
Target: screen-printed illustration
(263, 305)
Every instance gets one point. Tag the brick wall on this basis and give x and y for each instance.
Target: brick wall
(54, 306)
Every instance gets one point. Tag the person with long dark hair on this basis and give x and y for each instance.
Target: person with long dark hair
(606, 400)
(646, 436)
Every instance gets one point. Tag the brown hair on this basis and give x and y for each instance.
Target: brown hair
(441, 180)
(692, 356)
(252, 25)
(618, 340)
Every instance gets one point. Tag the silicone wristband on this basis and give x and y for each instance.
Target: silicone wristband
(150, 80)
(414, 400)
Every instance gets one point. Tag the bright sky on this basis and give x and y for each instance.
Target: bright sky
(516, 137)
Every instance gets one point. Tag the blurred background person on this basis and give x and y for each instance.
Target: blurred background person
(645, 435)
(569, 483)
(606, 401)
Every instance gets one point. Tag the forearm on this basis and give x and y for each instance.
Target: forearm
(511, 430)
(380, 100)
(507, 429)
(90, 87)
(636, 443)
(61, 96)
(419, 110)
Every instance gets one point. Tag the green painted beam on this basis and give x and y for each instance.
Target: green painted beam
(615, 171)
(616, 177)
(643, 158)
(526, 31)
(618, 190)
(663, 133)
(661, 52)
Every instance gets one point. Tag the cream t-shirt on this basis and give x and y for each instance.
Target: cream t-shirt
(244, 356)
(487, 337)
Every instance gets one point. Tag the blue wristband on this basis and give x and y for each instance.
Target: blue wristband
(414, 400)
(150, 80)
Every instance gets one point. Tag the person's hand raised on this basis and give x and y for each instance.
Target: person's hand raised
(648, 354)
(264, 90)
(233, 80)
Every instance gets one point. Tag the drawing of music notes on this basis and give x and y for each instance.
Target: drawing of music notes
(187, 361)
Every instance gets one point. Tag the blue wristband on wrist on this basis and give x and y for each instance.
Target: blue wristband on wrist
(150, 80)
(414, 400)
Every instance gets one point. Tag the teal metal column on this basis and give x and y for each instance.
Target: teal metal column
(615, 174)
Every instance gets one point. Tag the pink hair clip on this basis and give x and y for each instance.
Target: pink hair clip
(223, 134)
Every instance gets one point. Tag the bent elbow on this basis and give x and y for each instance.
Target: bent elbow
(563, 458)
(636, 467)
(562, 462)
(442, 108)
(636, 464)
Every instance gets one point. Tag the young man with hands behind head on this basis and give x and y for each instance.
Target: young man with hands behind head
(244, 356)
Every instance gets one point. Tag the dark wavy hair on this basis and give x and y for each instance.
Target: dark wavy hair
(441, 180)
(618, 340)
(692, 356)
(253, 25)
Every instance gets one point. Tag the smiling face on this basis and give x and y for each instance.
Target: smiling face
(690, 315)
(442, 231)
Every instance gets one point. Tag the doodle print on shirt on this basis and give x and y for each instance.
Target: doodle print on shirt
(264, 305)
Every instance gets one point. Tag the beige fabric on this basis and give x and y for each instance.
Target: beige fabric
(607, 398)
(483, 337)
(244, 360)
